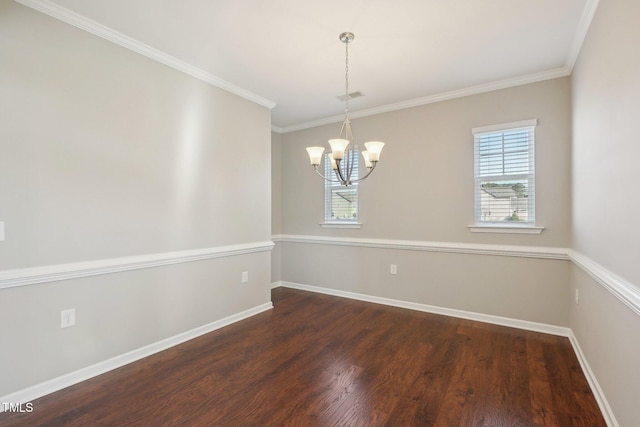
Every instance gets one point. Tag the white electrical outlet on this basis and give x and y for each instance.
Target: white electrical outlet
(68, 318)
(245, 276)
(577, 296)
(1, 231)
(393, 269)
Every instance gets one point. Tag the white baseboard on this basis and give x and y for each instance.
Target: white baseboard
(603, 404)
(622, 289)
(469, 315)
(55, 384)
(607, 413)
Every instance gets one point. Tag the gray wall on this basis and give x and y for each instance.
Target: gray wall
(276, 203)
(534, 290)
(423, 187)
(606, 148)
(423, 190)
(105, 154)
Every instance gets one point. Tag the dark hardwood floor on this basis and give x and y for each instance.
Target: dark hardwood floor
(318, 360)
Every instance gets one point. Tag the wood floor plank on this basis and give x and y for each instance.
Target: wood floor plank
(319, 360)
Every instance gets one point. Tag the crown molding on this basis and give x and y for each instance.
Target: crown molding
(277, 129)
(65, 15)
(581, 32)
(445, 96)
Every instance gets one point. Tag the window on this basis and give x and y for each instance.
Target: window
(340, 202)
(505, 174)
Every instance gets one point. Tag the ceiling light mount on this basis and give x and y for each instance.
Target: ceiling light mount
(343, 158)
(347, 37)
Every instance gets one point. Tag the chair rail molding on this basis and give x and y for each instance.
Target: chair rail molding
(52, 273)
(616, 285)
(416, 245)
(626, 292)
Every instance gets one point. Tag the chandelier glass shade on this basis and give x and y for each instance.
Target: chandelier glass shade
(342, 148)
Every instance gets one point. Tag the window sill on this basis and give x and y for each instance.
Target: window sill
(509, 229)
(341, 224)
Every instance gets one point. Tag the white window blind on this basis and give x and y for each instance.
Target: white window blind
(340, 202)
(505, 173)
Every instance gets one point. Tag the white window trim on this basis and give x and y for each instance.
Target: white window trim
(505, 126)
(341, 224)
(504, 228)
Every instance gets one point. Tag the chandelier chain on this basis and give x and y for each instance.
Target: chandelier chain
(346, 77)
(344, 173)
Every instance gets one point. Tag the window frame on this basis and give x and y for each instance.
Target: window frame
(330, 187)
(505, 226)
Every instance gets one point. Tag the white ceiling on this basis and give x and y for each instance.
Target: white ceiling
(405, 52)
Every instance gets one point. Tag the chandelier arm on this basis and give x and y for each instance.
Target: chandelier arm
(327, 179)
(354, 152)
(342, 131)
(348, 165)
(338, 171)
(368, 173)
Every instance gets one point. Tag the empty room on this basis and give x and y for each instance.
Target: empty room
(297, 213)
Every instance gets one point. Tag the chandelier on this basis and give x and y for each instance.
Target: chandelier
(343, 157)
